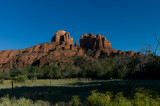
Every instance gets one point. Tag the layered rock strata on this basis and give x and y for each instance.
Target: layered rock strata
(102, 47)
(90, 41)
(61, 50)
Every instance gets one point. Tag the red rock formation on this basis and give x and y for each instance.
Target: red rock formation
(62, 36)
(61, 49)
(90, 41)
(101, 46)
(76, 44)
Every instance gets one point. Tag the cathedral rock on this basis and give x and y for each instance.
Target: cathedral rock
(102, 47)
(90, 41)
(61, 50)
(62, 36)
(63, 40)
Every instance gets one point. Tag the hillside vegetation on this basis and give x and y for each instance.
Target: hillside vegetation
(140, 67)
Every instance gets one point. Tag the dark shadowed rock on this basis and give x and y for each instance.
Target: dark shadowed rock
(76, 44)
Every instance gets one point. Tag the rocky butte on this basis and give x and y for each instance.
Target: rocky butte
(90, 41)
(61, 51)
(101, 46)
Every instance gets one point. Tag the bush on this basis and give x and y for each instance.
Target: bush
(65, 73)
(15, 72)
(141, 98)
(1, 81)
(99, 99)
(34, 72)
(20, 78)
(144, 98)
(75, 101)
(57, 73)
(97, 72)
(6, 101)
(120, 100)
(1, 75)
(119, 71)
(152, 68)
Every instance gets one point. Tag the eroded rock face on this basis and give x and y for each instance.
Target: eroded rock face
(112, 52)
(76, 44)
(61, 49)
(102, 47)
(90, 41)
(61, 37)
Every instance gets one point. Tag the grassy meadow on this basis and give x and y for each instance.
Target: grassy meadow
(79, 92)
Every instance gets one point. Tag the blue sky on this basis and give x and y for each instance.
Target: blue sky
(128, 24)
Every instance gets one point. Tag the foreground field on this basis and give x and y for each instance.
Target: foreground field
(78, 91)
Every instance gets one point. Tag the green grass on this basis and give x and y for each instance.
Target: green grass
(62, 91)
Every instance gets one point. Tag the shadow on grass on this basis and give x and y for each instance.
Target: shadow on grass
(56, 94)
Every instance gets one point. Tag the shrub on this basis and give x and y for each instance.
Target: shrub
(119, 71)
(20, 78)
(152, 68)
(75, 101)
(15, 72)
(83, 73)
(1, 81)
(5, 100)
(99, 99)
(1, 75)
(6, 75)
(65, 73)
(57, 73)
(120, 100)
(97, 72)
(46, 72)
(144, 98)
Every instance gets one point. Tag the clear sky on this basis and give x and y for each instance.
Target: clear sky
(128, 24)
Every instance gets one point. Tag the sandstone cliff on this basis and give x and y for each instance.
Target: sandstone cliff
(61, 50)
(102, 47)
(90, 41)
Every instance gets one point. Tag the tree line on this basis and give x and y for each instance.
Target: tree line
(140, 67)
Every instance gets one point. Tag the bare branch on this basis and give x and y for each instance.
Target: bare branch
(156, 37)
(157, 44)
(156, 49)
